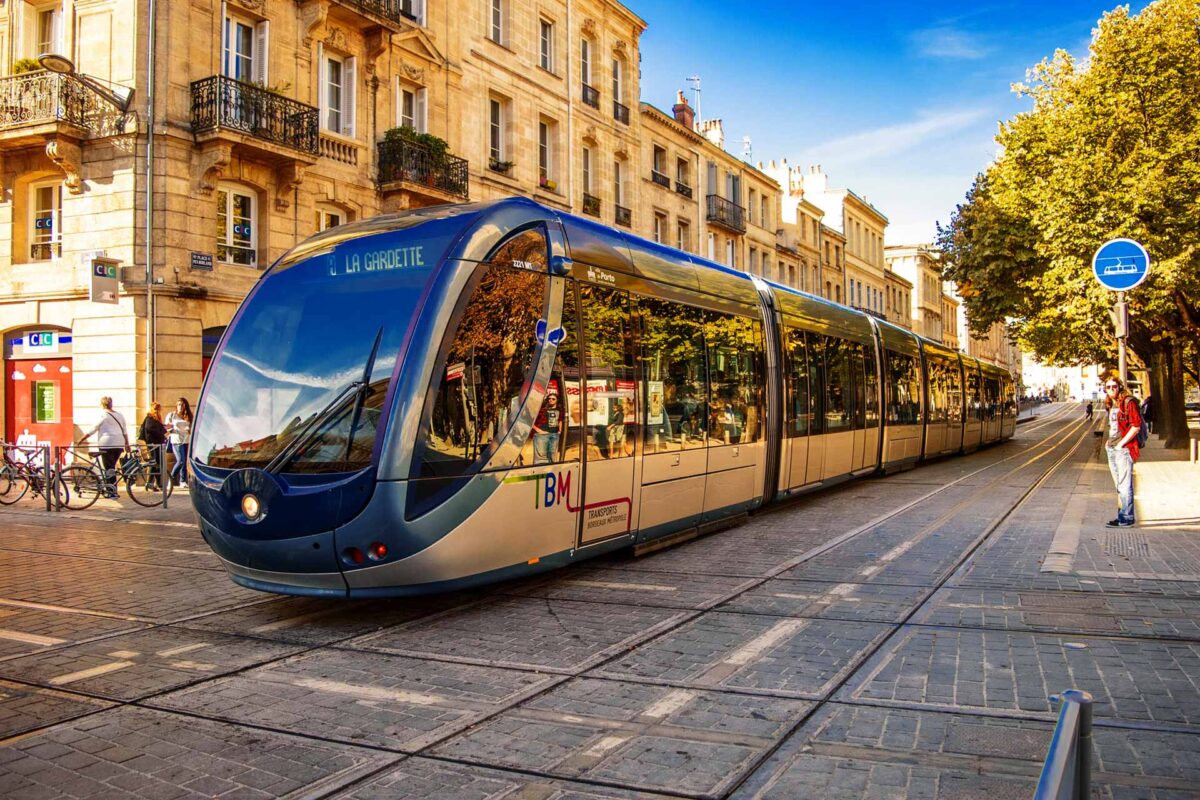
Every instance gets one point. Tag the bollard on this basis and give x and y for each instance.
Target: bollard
(1195, 450)
(46, 478)
(1067, 773)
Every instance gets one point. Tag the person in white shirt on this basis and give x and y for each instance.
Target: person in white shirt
(179, 432)
(112, 438)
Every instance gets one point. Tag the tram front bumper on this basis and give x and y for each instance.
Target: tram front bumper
(302, 565)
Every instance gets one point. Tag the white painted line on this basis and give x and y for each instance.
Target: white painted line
(369, 692)
(843, 589)
(898, 550)
(29, 638)
(760, 644)
(67, 610)
(195, 666)
(790, 596)
(124, 654)
(669, 704)
(291, 622)
(606, 744)
(103, 669)
(187, 648)
(867, 572)
(642, 587)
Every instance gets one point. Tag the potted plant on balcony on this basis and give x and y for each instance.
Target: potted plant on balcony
(496, 165)
(435, 149)
(547, 183)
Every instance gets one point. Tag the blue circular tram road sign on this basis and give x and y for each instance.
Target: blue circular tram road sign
(1121, 264)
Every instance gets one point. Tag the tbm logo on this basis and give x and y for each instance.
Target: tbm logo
(552, 488)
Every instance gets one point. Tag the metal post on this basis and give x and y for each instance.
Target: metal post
(1122, 318)
(1083, 750)
(164, 481)
(46, 477)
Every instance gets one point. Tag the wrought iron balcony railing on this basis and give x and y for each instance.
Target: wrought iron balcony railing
(624, 216)
(401, 160)
(591, 96)
(219, 102)
(591, 204)
(660, 179)
(34, 98)
(620, 112)
(726, 213)
(683, 189)
(393, 11)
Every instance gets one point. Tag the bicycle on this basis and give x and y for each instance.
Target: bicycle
(20, 476)
(86, 482)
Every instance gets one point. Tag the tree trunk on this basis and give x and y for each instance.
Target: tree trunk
(1169, 414)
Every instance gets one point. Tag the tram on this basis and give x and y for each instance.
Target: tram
(462, 394)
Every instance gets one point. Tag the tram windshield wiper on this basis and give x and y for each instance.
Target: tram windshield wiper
(356, 390)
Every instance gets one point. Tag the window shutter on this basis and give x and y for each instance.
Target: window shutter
(322, 84)
(349, 96)
(261, 51)
(419, 114)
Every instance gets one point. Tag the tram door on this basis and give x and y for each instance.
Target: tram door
(609, 414)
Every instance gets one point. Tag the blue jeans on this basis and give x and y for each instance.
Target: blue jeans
(1120, 464)
(179, 471)
(545, 448)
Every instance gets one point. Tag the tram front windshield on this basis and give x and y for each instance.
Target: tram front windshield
(300, 382)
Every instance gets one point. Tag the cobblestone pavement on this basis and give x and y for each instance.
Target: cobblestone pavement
(899, 637)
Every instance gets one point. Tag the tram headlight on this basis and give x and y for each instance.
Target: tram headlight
(251, 507)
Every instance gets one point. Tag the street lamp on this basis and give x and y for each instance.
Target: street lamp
(119, 96)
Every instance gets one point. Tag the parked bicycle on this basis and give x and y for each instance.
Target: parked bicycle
(23, 471)
(139, 468)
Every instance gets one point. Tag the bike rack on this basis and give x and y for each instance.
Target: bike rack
(1067, 773)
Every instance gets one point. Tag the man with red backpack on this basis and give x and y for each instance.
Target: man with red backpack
(1124, 423)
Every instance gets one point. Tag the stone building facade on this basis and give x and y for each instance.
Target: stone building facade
(918, 264)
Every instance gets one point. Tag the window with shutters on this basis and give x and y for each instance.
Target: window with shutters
(338, 93)
(412, 107)
(245, 50)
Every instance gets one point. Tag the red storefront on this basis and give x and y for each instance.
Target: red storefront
(38, 387)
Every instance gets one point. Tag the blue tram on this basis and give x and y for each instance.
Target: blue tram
(461, 394)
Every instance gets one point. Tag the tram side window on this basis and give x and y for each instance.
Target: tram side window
(816, 382)
(974, 398)
(936, 401)
(954, 393)
(854, 354)
(903, 389)
(839, 385)
(798, 411)
(675, 375)
(556, 433)
(610, 402)
(871, 373)
(1007, 398)
(735, 376)
(485, 372)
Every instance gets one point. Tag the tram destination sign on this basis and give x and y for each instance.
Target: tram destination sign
(1121, 264)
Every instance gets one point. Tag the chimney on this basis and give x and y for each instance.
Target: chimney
(714, 131)
(683, 112)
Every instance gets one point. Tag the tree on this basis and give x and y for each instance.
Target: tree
(1110, 148)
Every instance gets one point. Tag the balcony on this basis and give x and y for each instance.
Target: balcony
(591, 204)
(660, 179)
(623, 216)
(427, 176)
(394, 15)
(683, 189)
(591, 96)
(224, 104)
(35, 106)
(620, 113)
(726, 213)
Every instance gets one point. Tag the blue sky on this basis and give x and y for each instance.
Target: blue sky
(898, 101)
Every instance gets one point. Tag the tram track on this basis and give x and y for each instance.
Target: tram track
(1029, 455)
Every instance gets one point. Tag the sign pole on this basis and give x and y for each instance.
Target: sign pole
(1122, 332)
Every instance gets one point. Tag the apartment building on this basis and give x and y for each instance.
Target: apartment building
(897, 292)
(918, 264)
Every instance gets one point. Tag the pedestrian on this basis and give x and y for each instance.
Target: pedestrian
(1147, 410)
(546, 430)
(154, 433)
(112, 438)
(179, 431)
(1090, 410)
(1124, 421)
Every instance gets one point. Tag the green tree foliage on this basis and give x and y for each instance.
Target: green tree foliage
(1110, 148)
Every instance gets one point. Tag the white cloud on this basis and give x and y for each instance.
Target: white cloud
(948, 43)
(891, 140)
